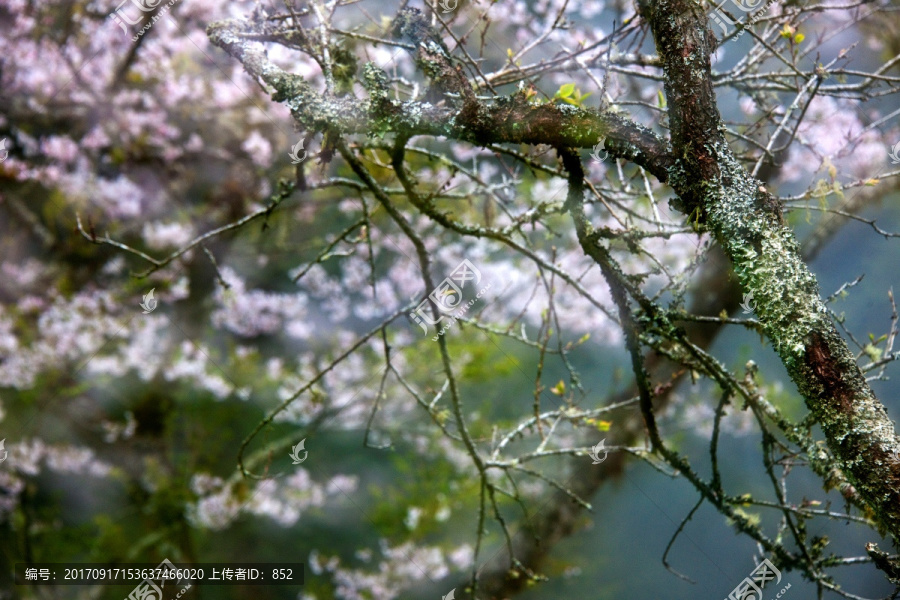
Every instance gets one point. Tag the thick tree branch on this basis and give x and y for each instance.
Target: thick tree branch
(509, 119)
(747, 223)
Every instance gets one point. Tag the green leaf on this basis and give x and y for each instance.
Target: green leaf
(566, 90)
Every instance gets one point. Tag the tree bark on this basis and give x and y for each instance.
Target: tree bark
(747, 223)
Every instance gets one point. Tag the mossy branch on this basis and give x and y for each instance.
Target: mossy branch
(765, 255)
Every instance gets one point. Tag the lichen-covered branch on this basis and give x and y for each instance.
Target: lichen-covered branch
(747, 223)
(509, 119)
